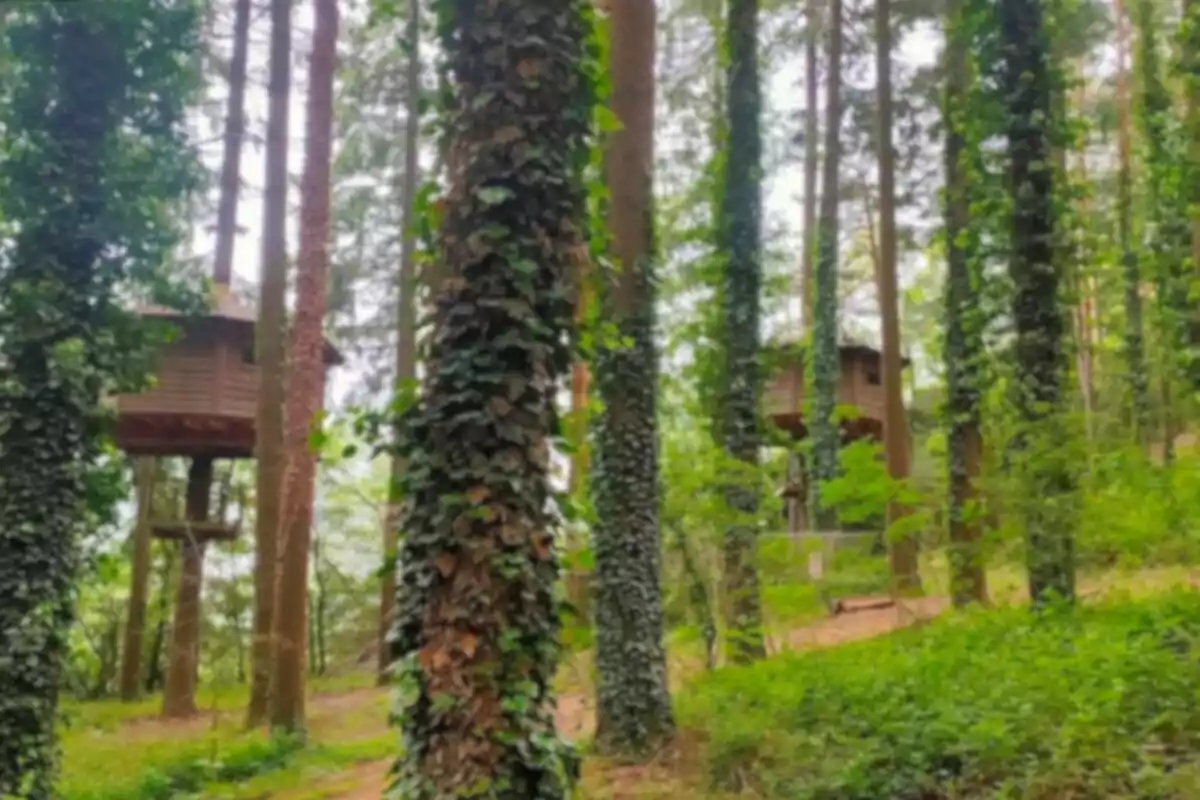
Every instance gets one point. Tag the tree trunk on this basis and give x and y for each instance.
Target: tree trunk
(823, 365)
(235, 125)
(154, 670)
(270, 341)
(964, 344)
(1189, 47)
(179, 695)
(306, 377)
(406, 323)
(812, 22)
(1135, 347)
(1035, 305)
(741, 223)
(1169, 233)
(633, 706)
(131, 652)
(906, 576)
(476, 613)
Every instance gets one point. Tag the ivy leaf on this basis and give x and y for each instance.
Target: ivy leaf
(494, 195)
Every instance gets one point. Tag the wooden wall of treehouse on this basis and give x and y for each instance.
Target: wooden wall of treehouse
(209, 371)
(860, 384)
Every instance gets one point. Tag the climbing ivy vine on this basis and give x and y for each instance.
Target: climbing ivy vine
(476, 629)
(95, 160)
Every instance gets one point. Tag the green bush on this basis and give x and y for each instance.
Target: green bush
(1093, 703)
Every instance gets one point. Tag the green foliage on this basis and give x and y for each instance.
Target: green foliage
(1092, 703)
(95, 163)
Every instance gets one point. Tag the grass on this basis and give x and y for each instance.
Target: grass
(971, 706)
(115, 751)
(1099, 702)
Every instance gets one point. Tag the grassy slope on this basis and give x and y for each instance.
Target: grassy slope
(760, 728)
(1095, 703)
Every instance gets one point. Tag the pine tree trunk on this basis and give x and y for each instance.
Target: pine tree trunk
(270, 342)
(154, 669)
(406, 324)
(633, 706)
(1135, 347)
(1035, 306)
(1169, 233)
(235, 126)
(1189, 47)
(179, 694)
(135, 621)
(906, 576)
(741, 222)
(812, 23)
(306, 378)
(823, 365)
(476, 613)
(964, 345)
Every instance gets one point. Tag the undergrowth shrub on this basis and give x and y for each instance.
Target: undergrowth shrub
(1098, 702)
(1135, 512)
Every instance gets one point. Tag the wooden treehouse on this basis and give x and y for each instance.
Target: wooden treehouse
(860, 386)
(202, 406)
(205, 396)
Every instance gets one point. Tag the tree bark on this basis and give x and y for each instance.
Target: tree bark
(1135, 347)
(270, 341)
(306, 378)
(633, 706)
(406, 325)
(476, 612)
(824, 364)
(1035, 305)
(1190, 49)
(179, 694)
(741, 223)
(812, 21)
(964, 344)
(906, 576)
(135, 622)
(154, 670)
(235, 126)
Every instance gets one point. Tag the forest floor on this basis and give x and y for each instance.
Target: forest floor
(351, 744)
(575, 714)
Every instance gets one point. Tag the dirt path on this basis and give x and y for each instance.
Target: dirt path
(576, 714)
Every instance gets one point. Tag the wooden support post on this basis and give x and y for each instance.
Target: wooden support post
(135, 621)
(179, 696)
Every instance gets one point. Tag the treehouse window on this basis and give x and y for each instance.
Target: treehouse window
(873, 376)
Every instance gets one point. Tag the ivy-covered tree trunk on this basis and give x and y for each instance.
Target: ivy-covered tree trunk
(1135, 346)
(269, 341)
(95, 100)
(633, 706)
(144, 470)
(902, 550)
(406, 320)
(476, 614)
(964, 344)
(1168, 233)
(1038, 451)
(741, 243)
(1189, 49)
(306, 378)
(822, 369)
